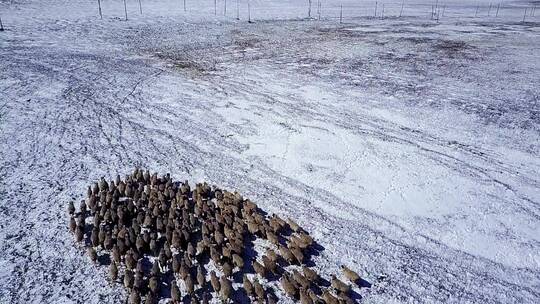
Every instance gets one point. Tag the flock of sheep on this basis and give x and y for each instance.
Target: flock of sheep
(156, 233)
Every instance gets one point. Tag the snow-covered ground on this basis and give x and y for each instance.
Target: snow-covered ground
(408, 147)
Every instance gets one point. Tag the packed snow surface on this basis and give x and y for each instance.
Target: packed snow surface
(409, 147)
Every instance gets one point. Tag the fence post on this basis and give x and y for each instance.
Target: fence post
(125, 9)
(215, 7)
(497, 13)
(525, 14)
(309, 9)
(340, 13)
(382, 13)
(1, 25)
(375, 8)
(99, 8)
(225, 9)
(401, 10)
(476, 12)
(184, 5)
(140, 6)
(319, 9)
(249, 13)
(237, 9)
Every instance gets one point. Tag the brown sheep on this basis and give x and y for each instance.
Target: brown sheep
(287, 254)
(329, 298)
(113, 272)
(238, 260)
(92, 254)
(134, 298)
(288, 286)
(200, 276)
(226, 288)
(248, 287)
(339, 285)
(176, 296)
(310, 274)
(300, 279)
(259, 268)
(349, 274)
(304, 297)
(259, 290)
(214, 281)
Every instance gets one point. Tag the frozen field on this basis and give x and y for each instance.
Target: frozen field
(408, 147)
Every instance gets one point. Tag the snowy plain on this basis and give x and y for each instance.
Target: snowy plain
(408, 147)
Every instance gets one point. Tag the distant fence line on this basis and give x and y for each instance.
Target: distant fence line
(251, 10)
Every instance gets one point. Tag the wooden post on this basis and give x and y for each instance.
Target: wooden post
(525, 14)
(125, 9)
(375, 8)
(225, 9)
(443, 9)
(99, 8)
(319, 9)
(140, 6)
(237, 9)
(309, 9)
(1, 25)
(382, 13)
(215, 7)
(184, 5)
(432, 12)
(401, 10)
(489, 10)
(249, 13)
(497, 13)
(476, 12)
(340, 13)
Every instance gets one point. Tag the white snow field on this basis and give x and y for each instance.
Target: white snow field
(409, 147)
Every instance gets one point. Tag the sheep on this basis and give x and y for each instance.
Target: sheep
(200, 276)
(150, 299)
(72, 224)
(134, 297)
(188, 281)
(248, 287)
(329, 298)
(176, 296)
(300, 279)
(259, 290)
(128, 279)
(350, 275)
(298, 255)
(288, 286)
(344, 298)
(113, 272)
(227, 269)
(214, 281)
(79, 234)
(269, 264)
(259, 268)
(304, 297)
(71, 208)
(339, 285)
(238, 260)
(92, 254)
(226, 288)
(287, 254)
(310, 274)
(294, 226)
